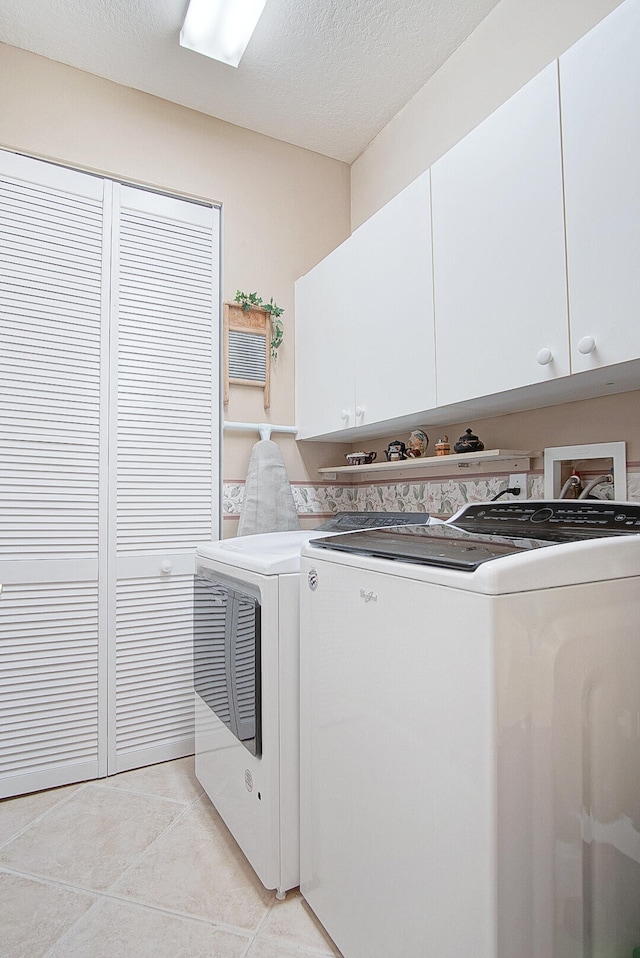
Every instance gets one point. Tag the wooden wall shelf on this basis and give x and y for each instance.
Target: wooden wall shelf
(464, 460)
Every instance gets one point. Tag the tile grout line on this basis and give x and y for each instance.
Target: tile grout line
(151, 845)
(306, 950)
(36, 821)
(114, 896)
(107, 896)
(103, 899)
(81, 787)
(78, 923)
(102, 784)
(69, 886)
(44, 880)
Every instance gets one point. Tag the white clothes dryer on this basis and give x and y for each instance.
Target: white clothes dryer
(246, 679)
(470, 734)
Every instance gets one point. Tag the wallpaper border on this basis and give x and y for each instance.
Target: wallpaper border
(441, 497)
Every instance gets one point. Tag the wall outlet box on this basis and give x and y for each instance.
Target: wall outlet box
(518, 481)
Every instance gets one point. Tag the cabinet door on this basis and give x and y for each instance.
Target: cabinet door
(164, 464)
(52, 405)
(325, 314)
(393, 318)
(499, 260)
(600, 91)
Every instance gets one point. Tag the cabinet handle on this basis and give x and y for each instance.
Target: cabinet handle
(359, 412)
(544, 357)
(167, 565)
(586, 345)
(344, 415)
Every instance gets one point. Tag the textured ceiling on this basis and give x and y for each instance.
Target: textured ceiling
(322, 74)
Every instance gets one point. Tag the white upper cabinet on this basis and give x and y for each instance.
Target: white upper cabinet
(528, 275)
(393, 283)
(499, 255)
(364, 323)
(600, 93)
(324, 359)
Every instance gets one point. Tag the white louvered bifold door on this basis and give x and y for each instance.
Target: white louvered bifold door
(165, 348)
(52, 284)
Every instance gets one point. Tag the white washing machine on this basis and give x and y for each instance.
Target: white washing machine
(246, 678)
(470, 734)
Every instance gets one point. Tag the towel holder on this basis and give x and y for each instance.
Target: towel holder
(264, 428)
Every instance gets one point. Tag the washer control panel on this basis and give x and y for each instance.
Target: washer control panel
(573, 519)
(350, 521)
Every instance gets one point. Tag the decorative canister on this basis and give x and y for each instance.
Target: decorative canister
(468, 443)
(443, 446)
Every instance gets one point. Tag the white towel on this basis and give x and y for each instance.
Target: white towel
(268, 500)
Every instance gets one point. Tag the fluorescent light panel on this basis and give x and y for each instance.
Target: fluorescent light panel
(220, 29)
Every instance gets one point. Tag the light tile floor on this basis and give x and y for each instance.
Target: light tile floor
(139, 865)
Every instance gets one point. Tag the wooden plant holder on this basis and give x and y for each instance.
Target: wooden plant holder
(247, 359)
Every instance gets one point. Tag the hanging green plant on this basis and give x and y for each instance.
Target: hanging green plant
(247, 300)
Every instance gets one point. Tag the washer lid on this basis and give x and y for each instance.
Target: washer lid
(270, 553)
(442, 545)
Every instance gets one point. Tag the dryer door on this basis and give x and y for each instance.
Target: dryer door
(227, 654)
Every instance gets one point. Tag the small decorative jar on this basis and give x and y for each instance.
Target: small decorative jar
(468, 443)
(443, 446)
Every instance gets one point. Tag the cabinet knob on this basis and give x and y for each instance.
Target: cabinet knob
(586, 345)
(167, 565)
(359, 412)
(344, 415)
(544, 357)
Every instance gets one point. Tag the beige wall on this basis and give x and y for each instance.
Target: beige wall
(284, 208)
(517, 40)
(607, 419)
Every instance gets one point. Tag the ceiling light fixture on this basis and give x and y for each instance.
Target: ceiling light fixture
(220, 29)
